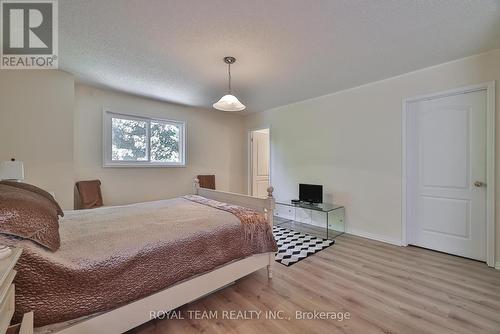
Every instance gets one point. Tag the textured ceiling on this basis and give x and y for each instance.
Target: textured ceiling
(287, 50)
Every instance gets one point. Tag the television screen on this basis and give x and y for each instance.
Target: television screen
(311, 193)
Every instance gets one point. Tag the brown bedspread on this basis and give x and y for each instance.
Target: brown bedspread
(113, 255)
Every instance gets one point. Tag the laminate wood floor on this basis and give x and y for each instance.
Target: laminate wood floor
(385, 289)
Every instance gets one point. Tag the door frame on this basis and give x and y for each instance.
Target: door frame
(489, 87)
(250, 159)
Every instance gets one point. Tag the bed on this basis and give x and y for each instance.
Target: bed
(118, 265)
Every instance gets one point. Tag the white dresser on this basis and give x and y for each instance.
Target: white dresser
(7, 297)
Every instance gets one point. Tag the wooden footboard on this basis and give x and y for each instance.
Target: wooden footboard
(264, 205)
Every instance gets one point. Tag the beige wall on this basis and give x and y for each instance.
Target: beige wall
(36, 127)
(350, 142)
(55, 128)
(214, 146)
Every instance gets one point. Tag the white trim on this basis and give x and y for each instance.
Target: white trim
(107, 115)
(489, 87)
(497, 265)
(490, 173)
(451, 92)
(404, 241)
(376, 237)
(250, 160)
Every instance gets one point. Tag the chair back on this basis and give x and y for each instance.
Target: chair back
(207, 181)
(89, 194)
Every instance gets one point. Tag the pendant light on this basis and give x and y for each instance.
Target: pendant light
(229, 102)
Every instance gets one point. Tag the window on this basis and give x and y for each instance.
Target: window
(133, 141)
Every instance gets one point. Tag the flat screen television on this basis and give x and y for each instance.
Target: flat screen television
(311, 193)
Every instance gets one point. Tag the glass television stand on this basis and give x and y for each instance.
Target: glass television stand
(323, 220)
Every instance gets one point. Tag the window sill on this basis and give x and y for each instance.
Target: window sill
(140, 165)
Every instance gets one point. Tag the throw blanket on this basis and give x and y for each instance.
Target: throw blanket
(111, 256)
(254, 223)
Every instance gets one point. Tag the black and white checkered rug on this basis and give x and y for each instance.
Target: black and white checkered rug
(294, 246)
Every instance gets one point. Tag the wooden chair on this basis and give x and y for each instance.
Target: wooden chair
(89, 194)
(207, 181)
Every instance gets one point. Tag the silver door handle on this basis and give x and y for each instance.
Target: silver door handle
(479, 184)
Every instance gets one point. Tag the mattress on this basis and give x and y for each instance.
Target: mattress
(111, 256)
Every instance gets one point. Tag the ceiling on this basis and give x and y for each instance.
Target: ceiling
(286, 50)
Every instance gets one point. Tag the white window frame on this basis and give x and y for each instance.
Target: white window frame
(107, 141)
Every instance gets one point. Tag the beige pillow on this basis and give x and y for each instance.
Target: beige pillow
(29, 215)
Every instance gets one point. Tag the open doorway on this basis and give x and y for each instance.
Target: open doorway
(259, 168)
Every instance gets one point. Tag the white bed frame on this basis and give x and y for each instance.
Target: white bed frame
(138, 312)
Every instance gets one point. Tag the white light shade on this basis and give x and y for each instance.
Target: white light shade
(11, 170)
(229, 103)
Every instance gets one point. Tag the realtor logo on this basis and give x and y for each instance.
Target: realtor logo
(29, 36)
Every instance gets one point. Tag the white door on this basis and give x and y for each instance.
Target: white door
(446, 170)
(260, 162)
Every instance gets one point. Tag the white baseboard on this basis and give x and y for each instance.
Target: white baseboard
(391, 241)
(376, 237)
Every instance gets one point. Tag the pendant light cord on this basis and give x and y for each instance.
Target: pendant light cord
(229, 72)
